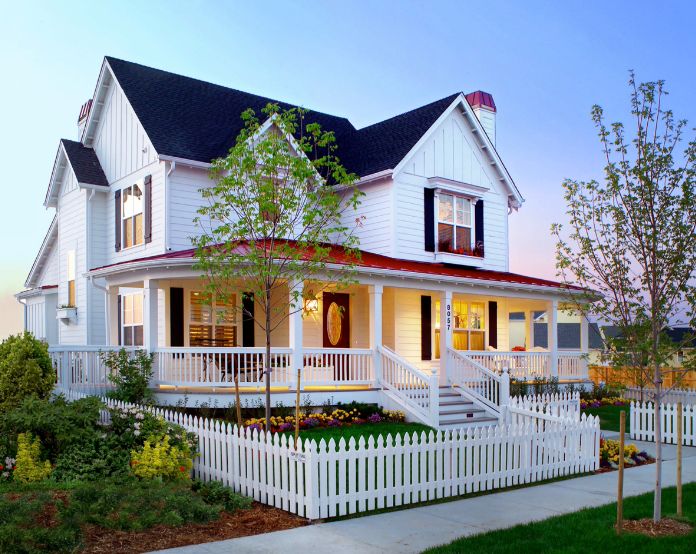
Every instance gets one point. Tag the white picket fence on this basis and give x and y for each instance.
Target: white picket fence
(642, 418)
(345, 477)
(685, 396)
(562, 404)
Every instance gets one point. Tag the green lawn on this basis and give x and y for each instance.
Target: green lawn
(366, 430)
(609, 416)
(589, 530)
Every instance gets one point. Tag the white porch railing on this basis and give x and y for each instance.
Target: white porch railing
(414, 389)
(218, 366)
(476, 379)
(337, 366)
(572, 366)
(527, 366)
(521, 365)
(81, 367)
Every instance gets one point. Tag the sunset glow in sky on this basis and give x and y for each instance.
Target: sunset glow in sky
(545, 63)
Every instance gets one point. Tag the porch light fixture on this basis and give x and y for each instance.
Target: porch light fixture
(311, 305)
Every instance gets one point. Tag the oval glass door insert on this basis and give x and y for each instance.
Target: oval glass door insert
(333, 323)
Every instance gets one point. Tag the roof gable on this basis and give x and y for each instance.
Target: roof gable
(82, 162)
(192, 119)
(43, 255)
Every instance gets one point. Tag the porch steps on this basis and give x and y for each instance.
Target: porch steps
(457, 412)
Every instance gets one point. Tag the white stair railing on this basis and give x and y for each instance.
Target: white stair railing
(478, 381)
(414, 389)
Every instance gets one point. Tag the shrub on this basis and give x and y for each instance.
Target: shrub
(57, 423)
(131, 374)
(28, 467)
(215, 492)
(159, 460)
(25, 370)
(92, 460)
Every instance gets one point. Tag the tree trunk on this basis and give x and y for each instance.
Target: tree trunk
(657, 507)
(267, 369)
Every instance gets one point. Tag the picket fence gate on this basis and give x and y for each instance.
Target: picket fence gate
(327, 479)
(642, 417)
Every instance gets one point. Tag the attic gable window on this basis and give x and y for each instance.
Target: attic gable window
(133, 216)
(454, 224)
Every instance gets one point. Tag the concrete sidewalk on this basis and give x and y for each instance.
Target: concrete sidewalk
(415, 529)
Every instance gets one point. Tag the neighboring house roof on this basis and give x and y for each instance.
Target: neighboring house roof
(369, 261)
(595, 337)
(85, 164)
(676, 334)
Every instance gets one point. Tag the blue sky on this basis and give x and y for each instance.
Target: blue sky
(545, 63)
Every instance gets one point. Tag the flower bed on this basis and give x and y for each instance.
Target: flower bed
(606, 401)
(609, 455)
(336, 418)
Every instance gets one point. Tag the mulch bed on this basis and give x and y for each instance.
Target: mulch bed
(608, 469)
(257, 519)
(664, 528)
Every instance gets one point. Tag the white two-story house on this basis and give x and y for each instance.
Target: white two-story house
(436, 316)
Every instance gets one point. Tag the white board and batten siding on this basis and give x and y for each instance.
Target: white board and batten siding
(451, 153)
(120, 142)
(373, 221)
(184, 199)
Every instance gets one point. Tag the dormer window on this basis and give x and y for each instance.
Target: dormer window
(454, 225)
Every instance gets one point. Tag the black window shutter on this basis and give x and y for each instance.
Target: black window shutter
(248, 320)
(429, 219)
(426, 327)
(148, 208)
(493, 324)
(478, 227)
(118, 318)
(176, 316)
(117, 220)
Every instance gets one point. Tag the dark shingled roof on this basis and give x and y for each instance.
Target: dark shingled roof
(196, 120)
(85, 164)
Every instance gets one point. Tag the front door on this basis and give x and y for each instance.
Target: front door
(336, 320)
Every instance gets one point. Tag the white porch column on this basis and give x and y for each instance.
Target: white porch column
(445, 333)
(296, 289)
(375, 292)
(113, 330)
(553, 336)
(150, 288)
(529, 330)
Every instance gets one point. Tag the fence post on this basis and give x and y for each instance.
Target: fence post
(434, 389)
(504, 395)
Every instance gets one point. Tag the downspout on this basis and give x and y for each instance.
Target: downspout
(172, 167)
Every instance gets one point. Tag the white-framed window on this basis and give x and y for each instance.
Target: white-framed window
(132, 215)
(469, 325)
(71, 271)
(212, 323)
(132, 319)
(454, 224)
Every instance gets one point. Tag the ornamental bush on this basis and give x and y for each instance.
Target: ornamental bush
(159, 460)
(131, 374)
(28, 467)
(25, 370)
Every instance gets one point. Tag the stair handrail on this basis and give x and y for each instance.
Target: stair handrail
(415, 389)
(477, 380)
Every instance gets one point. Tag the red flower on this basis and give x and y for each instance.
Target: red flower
(2, 467)
(182, 469)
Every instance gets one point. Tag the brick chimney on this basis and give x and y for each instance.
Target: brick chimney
(484, 108)
(82, 119)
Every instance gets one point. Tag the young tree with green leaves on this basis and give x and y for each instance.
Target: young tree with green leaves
(632, 241)
(274, 218)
